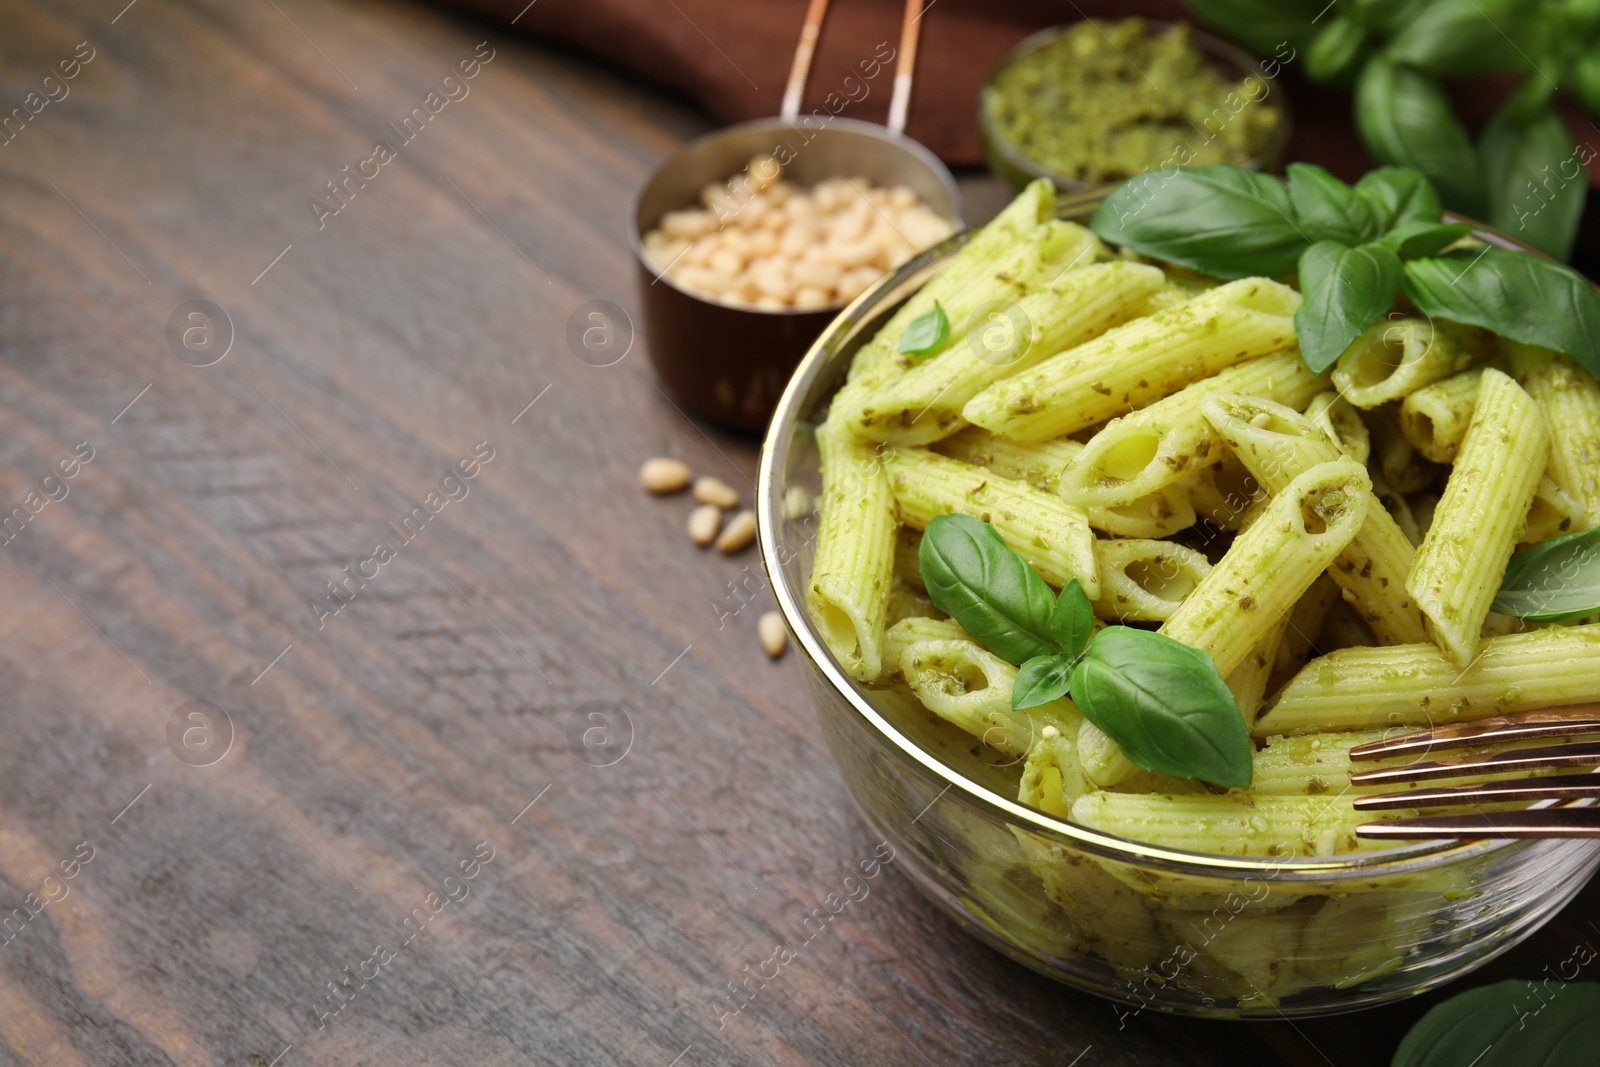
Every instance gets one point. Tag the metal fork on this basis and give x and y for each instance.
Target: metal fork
(1570, 724)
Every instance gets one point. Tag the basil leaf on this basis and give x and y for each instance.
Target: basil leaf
(1524, 297)
(1529, 196)
(1584, 81)
(1262, 26)
(927, 332)
(1041, 680)
(1413, 240)
(1164, 704)
(1346, 290)
(1072, 621)
(1509, 1024)
(1460, 37)
(1327, 208)
(1554, 581)
(1384, 17)
(1405, 119)
(1580, 17)
(987, 588)
(1218, 220)
(1335, 55)
(1400, 195)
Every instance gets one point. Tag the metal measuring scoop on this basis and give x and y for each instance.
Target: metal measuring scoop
(731, 363)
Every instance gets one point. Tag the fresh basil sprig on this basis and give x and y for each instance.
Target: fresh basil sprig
(1526, 298)
(1524, 175)
(1355, 249)
(1164, 704)
(1517, 150)
(1554, 581)
(926, 333)
(1510, 1024)
(1161, 701)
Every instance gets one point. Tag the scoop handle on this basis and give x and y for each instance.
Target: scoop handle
(800, 69)
(905, 69)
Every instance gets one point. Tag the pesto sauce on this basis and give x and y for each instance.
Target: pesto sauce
(1107, 100)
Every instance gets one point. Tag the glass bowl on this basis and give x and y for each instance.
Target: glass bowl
(1009, 162)
(1149, 927)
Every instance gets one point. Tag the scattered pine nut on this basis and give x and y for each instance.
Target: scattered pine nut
(773, 633)
(796, 503)
(664, 475)
(1049, 732)
(716, 491)
(739, 532)
(1261, 420)
(703, 524)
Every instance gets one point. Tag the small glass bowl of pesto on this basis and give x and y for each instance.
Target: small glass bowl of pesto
(1094, 102)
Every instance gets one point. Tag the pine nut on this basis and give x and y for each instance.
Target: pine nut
(716, 491)
(796, 503)
(739, 532)
(773, 633)
(703, 524)
(664, 475)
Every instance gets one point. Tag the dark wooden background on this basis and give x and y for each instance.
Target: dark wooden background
(438, 710)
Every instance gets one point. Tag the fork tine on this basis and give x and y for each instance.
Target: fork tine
(1556, 722)
(1556, 787)
(1544, 822)
(1586, 754)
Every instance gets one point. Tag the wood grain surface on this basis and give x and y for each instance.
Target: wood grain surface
(392, 833)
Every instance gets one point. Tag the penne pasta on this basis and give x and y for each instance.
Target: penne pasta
(1340, 420)
(1040, 464)
(908, 631)
(1554, 512)
(1161, 514)
(970, 687)
(998, 248)
(1418, 685)
(1570, 399)
(1040, 527)
(1145, 580)
(1278, 444)
(1224, 493)
(848, 594)
(1434, 419)
(1138, 363)
(1231, 825)
(1000, 339)
(1271, 565)
(1052, 776)
(1248, 681)
(1309, 764)
(1395, 358)
(1102, 761)
(1143, 452)
(1160, 440)
(1481, 516)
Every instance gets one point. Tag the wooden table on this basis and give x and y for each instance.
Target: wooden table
(262, 788)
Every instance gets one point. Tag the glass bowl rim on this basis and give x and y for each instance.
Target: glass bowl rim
(1216, 49)
(1013, 813)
